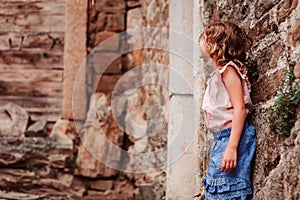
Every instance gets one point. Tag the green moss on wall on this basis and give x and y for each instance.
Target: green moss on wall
(283, 112)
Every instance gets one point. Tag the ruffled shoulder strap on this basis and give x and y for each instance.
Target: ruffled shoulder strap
(243, 76)
(235, 66)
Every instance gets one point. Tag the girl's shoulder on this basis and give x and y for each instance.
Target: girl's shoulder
(243, 76)
(231, 63)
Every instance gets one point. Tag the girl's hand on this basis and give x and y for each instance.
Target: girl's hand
(229, 159)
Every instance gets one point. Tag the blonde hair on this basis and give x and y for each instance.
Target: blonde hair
(227, 41)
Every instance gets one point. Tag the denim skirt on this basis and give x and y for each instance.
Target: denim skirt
(235, 184)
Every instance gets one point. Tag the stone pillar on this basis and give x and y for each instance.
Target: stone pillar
(74, 56)
(183, 169)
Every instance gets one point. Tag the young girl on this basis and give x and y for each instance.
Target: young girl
(226, 104)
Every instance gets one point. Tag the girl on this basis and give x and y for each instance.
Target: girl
(226, 104)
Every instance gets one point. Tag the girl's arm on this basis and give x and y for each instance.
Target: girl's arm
(233, 85)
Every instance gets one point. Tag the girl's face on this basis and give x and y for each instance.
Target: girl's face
(203, 52)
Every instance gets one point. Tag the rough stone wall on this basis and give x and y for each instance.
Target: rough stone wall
(139, 100)
(31, 56)
(274, 25)
(152, 96)
(55, 161)
(105, 19)
(105, 67)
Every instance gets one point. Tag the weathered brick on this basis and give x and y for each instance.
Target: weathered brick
(101, 21)
(115, 22)
(107, 63)
(106, 41)
(108, 6)
(105, 83)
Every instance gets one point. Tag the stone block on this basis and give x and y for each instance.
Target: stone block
(106, 62)
(37, 129)
(97, 195)
(17, 124)
(59, 134)
(31, 151)
(108, 6)
(101, 184)
(101, 21)
(285, 8)
(92, 28)
(115, 22)
(136, 115)
(48, 184)
(297, 70)
(106, 41)
(268, 57)
(125, 188)
(74, 55)
(134, 18)
(295, 34)
(265, 88)
(133, 3)
(262, 27)
(263, 6)
(146, 190)
(19, 195)
(97, 154)
(134, 57)
(105, 83)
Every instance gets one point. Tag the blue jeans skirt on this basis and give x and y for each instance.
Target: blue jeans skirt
(235, 184)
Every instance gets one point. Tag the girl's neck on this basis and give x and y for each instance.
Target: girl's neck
(214, 63)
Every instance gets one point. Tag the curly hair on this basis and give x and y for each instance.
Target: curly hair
(227, 41)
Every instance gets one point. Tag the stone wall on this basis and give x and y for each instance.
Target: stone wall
(31, 56)
(274, 25)
(155, 14)
(111, 57)
(56, 161)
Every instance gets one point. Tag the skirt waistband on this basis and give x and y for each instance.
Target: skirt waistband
(226, 132)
